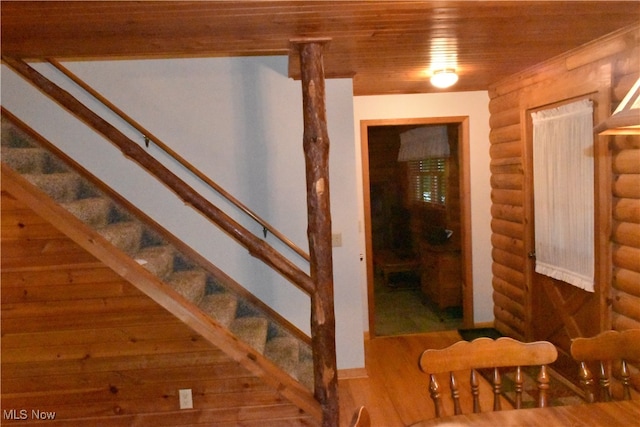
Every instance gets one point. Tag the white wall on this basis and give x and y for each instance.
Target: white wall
(475, 105)
(239, 120)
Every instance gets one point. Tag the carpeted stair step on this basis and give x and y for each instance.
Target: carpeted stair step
(284, 352)
(12, 136)
(305, 367)
(220, 306)
(125, 235)
(190, 284)
(251, 330)
(157, 259)
(63, 187)
(25, 160)
(93, 211)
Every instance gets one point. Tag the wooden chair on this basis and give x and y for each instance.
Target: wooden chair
(361, 418)
(484, 353)
(606, 348)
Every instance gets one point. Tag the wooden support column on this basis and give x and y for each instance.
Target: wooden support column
(316, 153)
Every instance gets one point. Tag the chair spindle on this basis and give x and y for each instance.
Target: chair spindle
(497, 389)
(605, 383)
(519, 386)
(586, 382)
(543, 386)
(434, 391)
(455, 394)
(626, 380)
(475, 391)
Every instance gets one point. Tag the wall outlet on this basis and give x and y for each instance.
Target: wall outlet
(186, 399)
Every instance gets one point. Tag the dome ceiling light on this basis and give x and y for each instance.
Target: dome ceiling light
(444, 78)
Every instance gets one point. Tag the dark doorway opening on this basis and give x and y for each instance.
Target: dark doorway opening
(417, 226)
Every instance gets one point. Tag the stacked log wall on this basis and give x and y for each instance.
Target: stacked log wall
(81, 344)
(611, 66)
(507, 212)
(626, 232)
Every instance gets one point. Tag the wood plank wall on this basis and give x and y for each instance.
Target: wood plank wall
(608, 66)
(80, 342)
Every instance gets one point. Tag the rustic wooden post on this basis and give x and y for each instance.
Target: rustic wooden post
(316, 153)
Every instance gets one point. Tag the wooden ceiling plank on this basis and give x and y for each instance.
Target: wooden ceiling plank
(387, 45)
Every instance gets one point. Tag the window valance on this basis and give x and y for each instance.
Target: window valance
(424, 142)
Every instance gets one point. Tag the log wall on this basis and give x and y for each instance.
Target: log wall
(80, 342)
(625, 236)
(607, 67)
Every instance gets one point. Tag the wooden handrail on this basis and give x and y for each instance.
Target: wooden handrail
(257, 247)
(150, 136)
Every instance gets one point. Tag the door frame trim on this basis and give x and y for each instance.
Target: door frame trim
(465, 208)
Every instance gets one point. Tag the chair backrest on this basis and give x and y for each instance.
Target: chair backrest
(606, 348)
(361, 418)
(483, 353)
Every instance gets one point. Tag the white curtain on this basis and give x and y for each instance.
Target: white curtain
(563, 193)
(425, 142)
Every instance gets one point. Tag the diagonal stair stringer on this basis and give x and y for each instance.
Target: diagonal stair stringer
(188, 311)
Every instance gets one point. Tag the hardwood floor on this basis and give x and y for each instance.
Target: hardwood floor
(396, 392)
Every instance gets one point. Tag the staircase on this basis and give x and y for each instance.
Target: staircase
(256, 336)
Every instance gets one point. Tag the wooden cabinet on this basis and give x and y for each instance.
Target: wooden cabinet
(441, 278)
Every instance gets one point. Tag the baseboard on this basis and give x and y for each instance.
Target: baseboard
(345, 374)
(484, 325)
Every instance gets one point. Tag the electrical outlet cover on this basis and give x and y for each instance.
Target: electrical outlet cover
(186, 399)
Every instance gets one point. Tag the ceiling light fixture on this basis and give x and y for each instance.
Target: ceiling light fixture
(444, 78)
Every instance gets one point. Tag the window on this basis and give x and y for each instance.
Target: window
(428, 181)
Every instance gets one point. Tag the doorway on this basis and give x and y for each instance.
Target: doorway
(416, 248)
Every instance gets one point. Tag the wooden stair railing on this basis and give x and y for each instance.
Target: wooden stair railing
(258, 248)
(164, 147)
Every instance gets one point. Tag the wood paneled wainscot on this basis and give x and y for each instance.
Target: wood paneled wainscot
(441, 278)
(79, 342)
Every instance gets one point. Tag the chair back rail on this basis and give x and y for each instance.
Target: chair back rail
(610, 350)
(484, 353)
